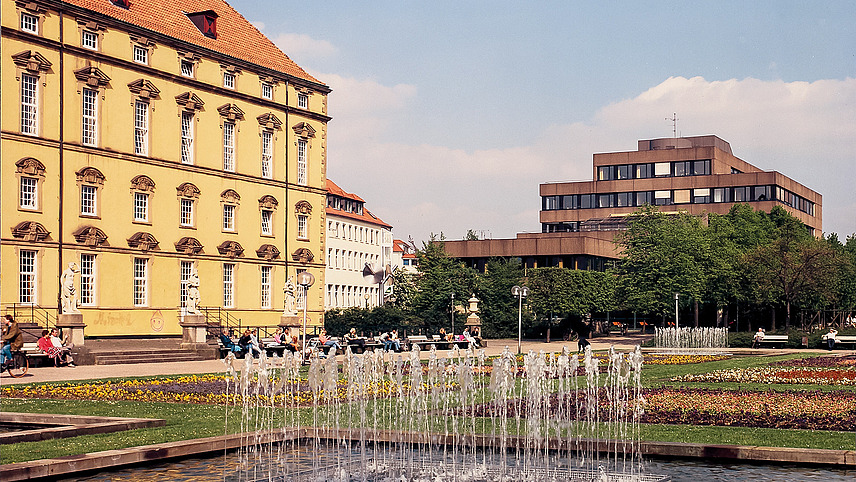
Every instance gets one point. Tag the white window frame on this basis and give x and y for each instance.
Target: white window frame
(228, 285)
(186, 214)
(267, 154)
(88, 200)
(28, 193)
(302, 226)
(301, 162)
(265, 286)
(29, 23)
(185, 270)
(89, 117)
(141, 128)
(187, 135)
(267, 91)
(141, 207)
(267, 222)
(229, 217)
(300, 299)
(89, 39)
(88, 272)
(141, 281)
(29, 104)
(229, 80)
(229, 146)
(141, 55)
(27, 276)
(302, 100)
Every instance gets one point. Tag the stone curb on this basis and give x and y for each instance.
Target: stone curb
(64, 466)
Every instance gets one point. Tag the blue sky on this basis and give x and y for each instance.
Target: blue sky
(447, 115)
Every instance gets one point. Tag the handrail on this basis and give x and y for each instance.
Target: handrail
(32, 313)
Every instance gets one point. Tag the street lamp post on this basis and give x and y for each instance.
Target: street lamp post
(453, 315)
(305, 280)
(520, 292)
(676, 309)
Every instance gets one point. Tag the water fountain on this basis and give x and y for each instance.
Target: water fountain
(691, 340)
(388, 417)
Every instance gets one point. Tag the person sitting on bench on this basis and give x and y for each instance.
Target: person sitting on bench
(52, 346)
(227, 342)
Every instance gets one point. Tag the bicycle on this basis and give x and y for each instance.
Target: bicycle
(18, 365)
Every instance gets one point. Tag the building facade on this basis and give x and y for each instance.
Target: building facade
(698, 175)
(356, 239)
(145, 141)
(404, 256)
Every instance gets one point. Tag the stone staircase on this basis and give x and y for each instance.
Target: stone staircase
(149, 356)
(118, 351)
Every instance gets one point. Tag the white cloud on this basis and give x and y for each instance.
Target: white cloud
(301, 47)
(806, 130)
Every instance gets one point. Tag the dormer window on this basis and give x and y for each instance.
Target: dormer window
(126, 4)
(206, 22)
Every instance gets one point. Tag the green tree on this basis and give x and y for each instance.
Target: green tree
(497, 307)
(794, 267)
(571, 292)
(439, 277)
(662, 255)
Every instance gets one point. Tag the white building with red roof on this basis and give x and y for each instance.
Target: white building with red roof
(404, 256)
(355, 238)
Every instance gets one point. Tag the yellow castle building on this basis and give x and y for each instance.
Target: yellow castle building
(146, 141)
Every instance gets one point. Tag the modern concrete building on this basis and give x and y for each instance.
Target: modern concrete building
(149, 140)
(355, 238)
(698, 175)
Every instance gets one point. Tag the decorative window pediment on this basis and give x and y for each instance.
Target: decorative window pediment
(93, 76)
(143, 241)
(30, 166)
(269, 120)
(188, 245)
(31, 7)
(303, 255)
(231, 249)
(90, 175)
(144, 89)
(30, 231)
(268, 202)
(268, 252)
(90, 236)
(231, 111)
(143, 183)
(230, 195)
(187, 189)
(303, 207)
(189, 101)
(31, 61)
(303, 129)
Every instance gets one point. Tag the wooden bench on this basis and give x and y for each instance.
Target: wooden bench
(774, 340)
(843, 339)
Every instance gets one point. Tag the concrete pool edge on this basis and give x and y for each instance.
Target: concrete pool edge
(65, 466)
(55, 426)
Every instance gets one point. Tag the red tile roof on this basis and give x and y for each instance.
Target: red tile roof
(334, 188)
(236, 36)
(367, 216)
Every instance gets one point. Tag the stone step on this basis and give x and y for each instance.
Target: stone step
(134, 357)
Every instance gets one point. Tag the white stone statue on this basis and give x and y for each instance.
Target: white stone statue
(69, 292)
(193, 293)
(290, 305)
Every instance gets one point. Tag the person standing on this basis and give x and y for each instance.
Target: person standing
(12, 339)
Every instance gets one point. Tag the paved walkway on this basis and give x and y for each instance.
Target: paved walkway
(495, 347)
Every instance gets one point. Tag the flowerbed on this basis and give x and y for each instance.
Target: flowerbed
(206, 389)
(777, 375)
(819, 362)
(687, 406)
